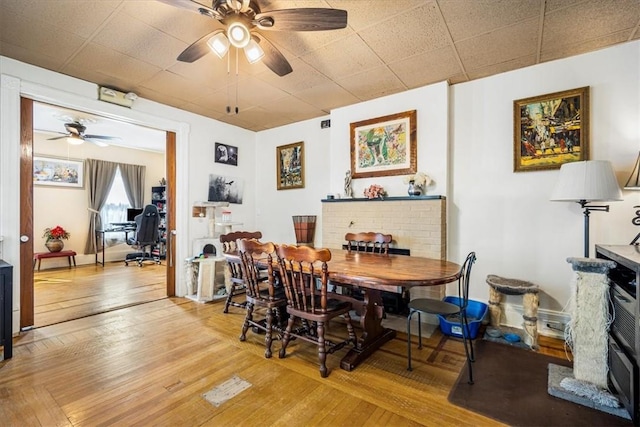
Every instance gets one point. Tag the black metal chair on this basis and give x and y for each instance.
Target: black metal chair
(147, 236)
(435, 306)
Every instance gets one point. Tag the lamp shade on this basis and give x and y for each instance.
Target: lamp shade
(591, 180)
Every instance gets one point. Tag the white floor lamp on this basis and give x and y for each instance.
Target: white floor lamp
(587, 182)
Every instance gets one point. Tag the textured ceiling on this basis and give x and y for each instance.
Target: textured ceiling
(387, 47)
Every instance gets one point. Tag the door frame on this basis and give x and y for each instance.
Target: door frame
(26, 204)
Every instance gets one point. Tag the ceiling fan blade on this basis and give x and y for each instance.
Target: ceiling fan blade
(193, 6)
(198, 49)
(57, 137)
(303, 19)
(97, 142)
(101, 137)
(272, 57)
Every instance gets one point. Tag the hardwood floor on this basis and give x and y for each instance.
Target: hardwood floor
(62, 294)
(150, 364)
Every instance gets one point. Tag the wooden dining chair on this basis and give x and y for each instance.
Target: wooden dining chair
(261, 294)
(234, 266)
(304, 274)
(368, 242)
(436, 306)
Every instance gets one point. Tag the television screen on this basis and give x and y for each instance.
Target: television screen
(132, 213)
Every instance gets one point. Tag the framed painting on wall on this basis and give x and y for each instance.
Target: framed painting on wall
(384, 146)
(227, 154)
(58, 172)
(290, 166)
(551, 130)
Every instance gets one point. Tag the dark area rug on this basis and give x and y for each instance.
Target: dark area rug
(511, 387)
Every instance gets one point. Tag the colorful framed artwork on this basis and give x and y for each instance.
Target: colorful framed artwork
(384, 146)
(58, 172)
(227, 154)
(551, 130)
(290, 166)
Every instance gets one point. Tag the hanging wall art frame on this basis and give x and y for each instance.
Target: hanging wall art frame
(550, 130)
(384, 145)
(58, 172)
(290, 166)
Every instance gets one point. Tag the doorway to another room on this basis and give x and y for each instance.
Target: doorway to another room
(59, 291)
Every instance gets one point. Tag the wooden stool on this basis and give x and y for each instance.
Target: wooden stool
(39, 256)
(502, 286)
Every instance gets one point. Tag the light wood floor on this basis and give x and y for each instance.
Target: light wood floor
(62, 294)
(150, 364)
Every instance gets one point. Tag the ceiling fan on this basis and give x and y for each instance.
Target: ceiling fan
(243, 17)
(75, 134)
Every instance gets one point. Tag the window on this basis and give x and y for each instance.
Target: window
(115, 208)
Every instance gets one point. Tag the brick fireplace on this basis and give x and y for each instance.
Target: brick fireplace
(416, 223)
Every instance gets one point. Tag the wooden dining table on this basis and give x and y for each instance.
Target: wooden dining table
(375, 273)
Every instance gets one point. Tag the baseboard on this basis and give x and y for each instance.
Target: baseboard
(550, 323)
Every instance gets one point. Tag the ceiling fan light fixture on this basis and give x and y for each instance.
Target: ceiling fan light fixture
(219, 44)
(253, 52)
(74, 140)
(238, 34)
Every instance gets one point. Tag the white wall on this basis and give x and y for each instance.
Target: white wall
(507, 217)
(275, 208)
(432, 105)
(74, 216)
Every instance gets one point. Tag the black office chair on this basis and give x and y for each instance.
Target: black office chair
(436, 306)
(147, 236)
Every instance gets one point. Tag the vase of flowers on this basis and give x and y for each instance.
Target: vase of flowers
(417, 183)
(54, 238)
(374, 191)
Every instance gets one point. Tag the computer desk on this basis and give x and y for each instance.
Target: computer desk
(119, 227)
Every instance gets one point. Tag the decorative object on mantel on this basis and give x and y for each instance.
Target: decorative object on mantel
(54, 238)
(374, 191)
(417, 183)
(585, 182)
(348, 191)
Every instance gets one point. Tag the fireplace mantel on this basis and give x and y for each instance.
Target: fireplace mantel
(383, 199)
(416, 223)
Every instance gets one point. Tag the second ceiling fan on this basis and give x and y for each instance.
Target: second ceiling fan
(243, 17)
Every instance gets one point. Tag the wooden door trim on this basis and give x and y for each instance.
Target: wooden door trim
(170, 159)
(26, 214)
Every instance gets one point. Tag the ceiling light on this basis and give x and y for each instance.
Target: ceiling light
(238, 34)
(253, 52)
(219, 44)
(74, 140)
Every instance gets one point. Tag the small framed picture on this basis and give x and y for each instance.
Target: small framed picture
(290, 166)
(550, 130)
(58, 172)
(227, 154)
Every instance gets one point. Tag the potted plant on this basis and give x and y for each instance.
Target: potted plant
(54, 238)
